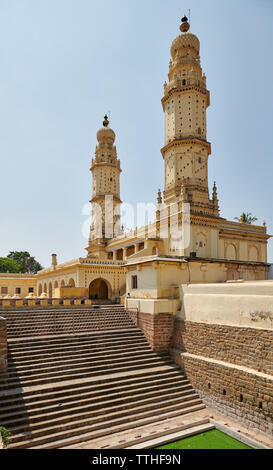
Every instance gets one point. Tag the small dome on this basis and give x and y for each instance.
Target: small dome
(105, 134)
(43, 296)
(30, 296)
(184, 40)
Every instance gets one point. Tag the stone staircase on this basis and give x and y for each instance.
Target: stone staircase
(98, 376)
(58, 320)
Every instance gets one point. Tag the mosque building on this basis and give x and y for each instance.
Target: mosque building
(152, 261)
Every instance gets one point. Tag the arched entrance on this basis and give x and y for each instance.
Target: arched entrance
(98, 289)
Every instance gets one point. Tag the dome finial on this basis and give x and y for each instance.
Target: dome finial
(105, 122)
(184, 27)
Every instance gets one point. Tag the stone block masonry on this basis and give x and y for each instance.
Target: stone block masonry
(3, 346)
(158, 328)
(241, 393)
(229, 366)
(249, 347)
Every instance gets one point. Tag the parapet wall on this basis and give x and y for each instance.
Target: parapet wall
(42, 302)
(248, 304)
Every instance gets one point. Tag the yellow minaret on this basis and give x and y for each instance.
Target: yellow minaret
(105, 200)
(186, 148)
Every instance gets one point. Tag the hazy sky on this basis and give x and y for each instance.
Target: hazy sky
(64, 63)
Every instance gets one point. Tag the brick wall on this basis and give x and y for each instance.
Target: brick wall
(3, 346)
(250, 347)
(244, 396)
(157, 328)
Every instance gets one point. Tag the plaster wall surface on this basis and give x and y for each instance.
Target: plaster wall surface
(13, 281)
(248, 304)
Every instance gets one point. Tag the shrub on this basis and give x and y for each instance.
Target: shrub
(5, 436)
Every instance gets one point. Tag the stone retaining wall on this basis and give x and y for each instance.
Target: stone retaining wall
(243, 394)
(250, 347)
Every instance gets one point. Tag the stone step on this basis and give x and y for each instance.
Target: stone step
(54, 356)
(48, 369)
(144, 435)
(103, 429)
(79, 373)
(106, 381)
(65, 418)
(83, 403)
(47, 354)
(17, 345)
(13, 404)
(76, 328)
(65, 322)
(55, 340)
(70, 322)
(66, 326)
(88, 356)
(162, 439)
(64, 316)
(41, 435)
(61, 312)
(140, 428)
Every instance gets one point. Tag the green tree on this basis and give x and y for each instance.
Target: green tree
(27, 263)
(246, 218)
(9, 266)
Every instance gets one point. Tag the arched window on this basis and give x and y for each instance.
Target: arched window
(71, 282)
(231, 252)
(253, 254)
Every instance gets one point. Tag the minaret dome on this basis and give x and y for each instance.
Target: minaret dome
(184, 41)
(106, 134)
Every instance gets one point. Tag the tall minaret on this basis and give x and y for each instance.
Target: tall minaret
(105, 200)
(186, 149)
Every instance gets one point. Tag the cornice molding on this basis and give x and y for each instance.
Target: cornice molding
(186, 89)
(186, 141)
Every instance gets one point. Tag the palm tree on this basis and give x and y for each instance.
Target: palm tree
(246, 218)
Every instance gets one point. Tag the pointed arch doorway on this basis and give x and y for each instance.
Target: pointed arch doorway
(98, 289)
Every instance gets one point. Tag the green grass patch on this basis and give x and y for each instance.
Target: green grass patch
(213, 439)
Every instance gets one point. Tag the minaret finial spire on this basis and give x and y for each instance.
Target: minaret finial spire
(105, 122)
(184, 27)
